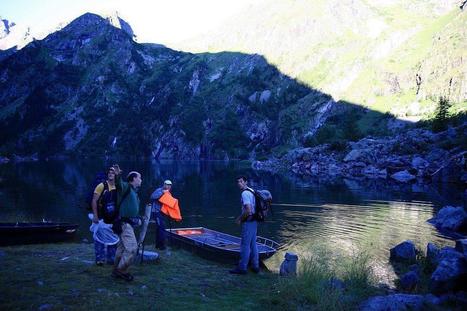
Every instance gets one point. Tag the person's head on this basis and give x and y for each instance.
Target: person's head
(134, 178)
(111, 174)
(167, 185)
(242, 182)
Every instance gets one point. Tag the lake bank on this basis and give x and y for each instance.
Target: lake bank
(64, 277)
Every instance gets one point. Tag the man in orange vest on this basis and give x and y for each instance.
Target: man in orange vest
(161, 235)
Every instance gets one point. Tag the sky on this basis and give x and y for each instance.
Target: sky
(155, 21)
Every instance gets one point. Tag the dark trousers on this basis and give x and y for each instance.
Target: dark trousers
(161, 234)
(105, 253)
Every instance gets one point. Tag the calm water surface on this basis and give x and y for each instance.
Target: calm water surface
(342, 216)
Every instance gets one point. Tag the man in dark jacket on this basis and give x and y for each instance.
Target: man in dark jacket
(128, 202)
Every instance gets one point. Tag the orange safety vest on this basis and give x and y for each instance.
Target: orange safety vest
(170, 206)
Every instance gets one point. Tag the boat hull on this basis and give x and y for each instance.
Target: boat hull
(214, 245)
(33, 233)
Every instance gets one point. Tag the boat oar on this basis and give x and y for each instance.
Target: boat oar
(144, 229)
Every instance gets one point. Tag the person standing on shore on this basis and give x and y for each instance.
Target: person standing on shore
(248, 247)
(104, 207)
(161, 235)
(128, 204)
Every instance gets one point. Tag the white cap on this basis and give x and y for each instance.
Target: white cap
(167, 182)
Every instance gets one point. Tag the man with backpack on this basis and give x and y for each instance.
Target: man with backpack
(104, 207)
(128, 206)
(247, 219)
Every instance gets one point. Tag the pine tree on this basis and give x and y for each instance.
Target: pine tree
(440, 122)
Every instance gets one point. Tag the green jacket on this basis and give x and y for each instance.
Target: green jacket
(130, 205)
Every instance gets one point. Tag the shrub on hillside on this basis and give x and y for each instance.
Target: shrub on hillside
(441, 120)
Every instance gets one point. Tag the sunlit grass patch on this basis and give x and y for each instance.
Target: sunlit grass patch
(327, 282)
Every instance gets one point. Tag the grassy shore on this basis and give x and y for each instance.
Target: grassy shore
(64, 277)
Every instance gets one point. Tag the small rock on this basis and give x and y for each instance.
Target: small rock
(354, 155)
(436, 154)
(404, 251)
(432, 252)
(40, 283)
(336, 283)
(409, 280)
(403, 176)
(461, 246)
(419, 163)
(144, 287)
(85, 240)
(45, 307)
(431, 299)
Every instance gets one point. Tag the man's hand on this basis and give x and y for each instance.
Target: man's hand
(238, 220)
(117, 169)
(95, 219)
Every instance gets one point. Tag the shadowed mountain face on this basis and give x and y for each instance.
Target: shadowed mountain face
(89, 89)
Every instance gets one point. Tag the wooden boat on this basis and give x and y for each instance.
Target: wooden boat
(40, 232)
(215, 245)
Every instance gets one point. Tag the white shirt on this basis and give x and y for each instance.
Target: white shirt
(248, 198)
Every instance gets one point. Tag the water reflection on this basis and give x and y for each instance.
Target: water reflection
(344, 215)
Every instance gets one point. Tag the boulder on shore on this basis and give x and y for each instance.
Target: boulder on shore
(450, 218)
(409, 281)
(394, 302)
(451, 272)
(404, 252)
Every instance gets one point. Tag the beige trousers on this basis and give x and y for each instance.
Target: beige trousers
(126, 248)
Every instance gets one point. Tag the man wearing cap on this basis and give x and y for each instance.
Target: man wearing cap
(161, 235)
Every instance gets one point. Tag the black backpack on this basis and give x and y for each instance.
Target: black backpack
(263, 201)
(99, 178)
(107, 204)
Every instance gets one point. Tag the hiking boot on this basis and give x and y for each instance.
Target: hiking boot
(237, 271)
(100, 263)
(128, 277)
(122, 275)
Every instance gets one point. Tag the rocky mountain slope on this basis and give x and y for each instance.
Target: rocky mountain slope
(90, 89)
(284, 75)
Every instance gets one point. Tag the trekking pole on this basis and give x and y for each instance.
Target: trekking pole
(142, 236)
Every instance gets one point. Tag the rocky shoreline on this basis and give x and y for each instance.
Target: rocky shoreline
(416, 155)
(430, 279)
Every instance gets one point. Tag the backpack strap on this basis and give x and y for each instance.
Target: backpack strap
(256, 200)
(106, 187)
